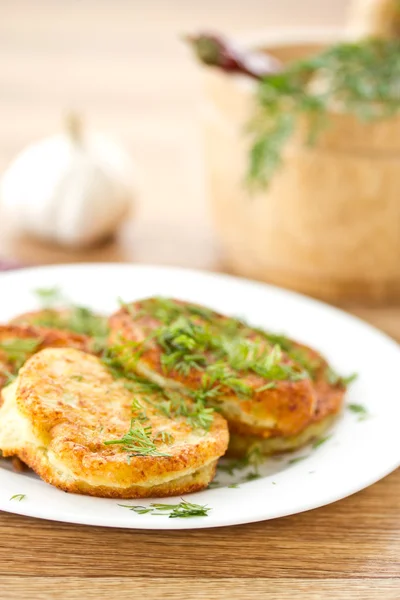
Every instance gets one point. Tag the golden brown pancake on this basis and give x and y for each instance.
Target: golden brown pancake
(281, 408)
(85, 431)
(76, 319)
(19, 342)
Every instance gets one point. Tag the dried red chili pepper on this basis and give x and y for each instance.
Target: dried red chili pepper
(214, 50)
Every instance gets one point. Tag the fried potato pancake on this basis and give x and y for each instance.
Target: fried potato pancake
(77, 319)
(280, 413)
(259, 389)
(82, 430)
(19, 342)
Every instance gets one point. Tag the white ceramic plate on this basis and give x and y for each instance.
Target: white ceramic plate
(358, 453)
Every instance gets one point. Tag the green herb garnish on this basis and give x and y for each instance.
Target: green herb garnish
(321, 441)
(10, 377)
(359, 409)
(71, 317)
(297, 459)
(183, 510)
(359, 77)
(137, 441)
(253, 458)
(50, 296)
(18, 350)
(18, 497)
(334, 379)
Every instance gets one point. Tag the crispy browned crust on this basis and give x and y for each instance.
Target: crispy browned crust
(194, 482)
(287, 408)
(73, 405)
(49, 338)
(330, 399)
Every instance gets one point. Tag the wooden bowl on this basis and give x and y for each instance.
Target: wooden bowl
(328, 224)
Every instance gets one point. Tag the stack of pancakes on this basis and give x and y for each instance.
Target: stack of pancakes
(150, 408)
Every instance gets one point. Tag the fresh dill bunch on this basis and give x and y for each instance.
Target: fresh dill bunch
(360, 78)
(183, 510)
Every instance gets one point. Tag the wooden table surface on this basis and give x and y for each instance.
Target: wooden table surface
(121, 63)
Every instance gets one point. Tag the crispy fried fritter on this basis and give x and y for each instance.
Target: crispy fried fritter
(84, 431)
(278, 414)
(76, 319)
(253, 403)
(19, 342)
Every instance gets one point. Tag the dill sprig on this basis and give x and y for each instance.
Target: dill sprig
(253, 458)
(183, 510)
(10, 377)
(361, 78)
(69, 316)
(194, 338)
(137, 441)
(121, 359)
(334, 378)
(18, 497)
(18, 350)
(360, 410)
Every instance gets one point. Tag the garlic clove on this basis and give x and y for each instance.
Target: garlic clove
(69, 189)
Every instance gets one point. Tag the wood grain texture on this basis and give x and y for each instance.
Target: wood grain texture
(122, 64)
(355, 538)
(76, 588)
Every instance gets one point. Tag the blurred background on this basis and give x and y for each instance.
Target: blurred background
(123, 66)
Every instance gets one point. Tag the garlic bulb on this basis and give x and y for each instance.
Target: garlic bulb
(73, 188)
(375, 18)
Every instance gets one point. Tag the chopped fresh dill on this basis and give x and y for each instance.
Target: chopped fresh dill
(183, 510)
(334, 379)
(252, 476)
(268, 386)
(49, 296)
(18, 350)
(214, 484)
(10, 377)
(359, 410)
(138, 411)
(165, 437)
(253, 458)
(77, 377)
(318, 442)
(137, 441)
(170, 403)
(233, 485)
(61, 313)
(297, 459)
(223, 350)
(18, 497)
